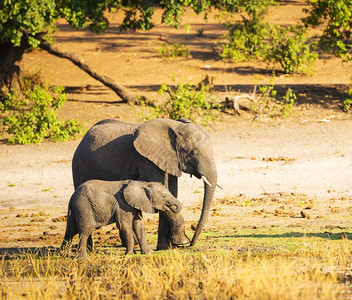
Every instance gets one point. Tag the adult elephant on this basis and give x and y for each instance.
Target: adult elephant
(158, 150)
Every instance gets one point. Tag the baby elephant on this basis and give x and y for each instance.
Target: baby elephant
(97, 203)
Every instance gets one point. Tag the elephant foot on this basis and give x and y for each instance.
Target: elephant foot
(177, 241)
(180, 241)
(147, 251)
(163, 245)
(80, 256)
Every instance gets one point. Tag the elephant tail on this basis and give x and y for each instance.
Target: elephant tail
(71, 226)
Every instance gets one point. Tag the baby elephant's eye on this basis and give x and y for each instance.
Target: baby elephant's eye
(195, 152)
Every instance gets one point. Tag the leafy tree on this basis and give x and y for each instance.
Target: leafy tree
(24, 24)
(336, 18)
(27, 24)
(253, 37)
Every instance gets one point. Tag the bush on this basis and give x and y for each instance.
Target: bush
(287, 102)
(347, 103)
(176, 50)
(254, 38)
(334, 17)
(267, 102)
(291, 48)
(33, 118)
(245, 41)
(187, 102)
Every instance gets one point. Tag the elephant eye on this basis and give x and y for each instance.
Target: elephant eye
(195, 153)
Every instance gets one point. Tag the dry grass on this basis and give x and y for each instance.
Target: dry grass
(320, 272)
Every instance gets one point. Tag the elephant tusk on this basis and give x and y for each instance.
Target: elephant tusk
(220, 186)
(206, 180)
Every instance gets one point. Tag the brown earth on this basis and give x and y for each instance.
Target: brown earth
(293, 171)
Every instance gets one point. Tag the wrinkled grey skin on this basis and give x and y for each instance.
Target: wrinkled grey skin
(159, 150)
(97, 203)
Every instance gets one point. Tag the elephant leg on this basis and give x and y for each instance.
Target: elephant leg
(173, 185)
(90, 243)
(164, 230)
(139, 232)
(135, 240)
(126, 235)
(82, 246)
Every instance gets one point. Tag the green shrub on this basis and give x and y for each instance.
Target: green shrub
(291, 48)
(255, 38)
(245, 41)
(347, 103)
(33, 118)
(334, 18)
(287, 102)
(187, 102)
(266, 101)
(176, 50)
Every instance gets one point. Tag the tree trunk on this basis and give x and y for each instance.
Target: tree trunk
(117, 87)
(10, 67)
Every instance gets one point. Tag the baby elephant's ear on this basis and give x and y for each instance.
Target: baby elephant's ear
(136, 196)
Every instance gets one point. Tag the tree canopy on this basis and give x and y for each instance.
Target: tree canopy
(27, 24)
(21, 19)
(336, 18)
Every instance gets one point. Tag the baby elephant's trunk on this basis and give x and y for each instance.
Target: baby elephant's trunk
(174, 206)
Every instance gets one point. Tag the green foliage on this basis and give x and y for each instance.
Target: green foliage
(176, 50)
(30, 20)
(138, 15)
(173, 9)
(245, 41)
(254, 38)
(187, 102)
(291, 48)
(266, 101)
(33, 118)
(287, 102)
(336, 18)
(347, 103)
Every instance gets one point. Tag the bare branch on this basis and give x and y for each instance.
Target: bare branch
(117, 87)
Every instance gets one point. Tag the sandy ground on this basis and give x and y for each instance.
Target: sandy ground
(312, 158)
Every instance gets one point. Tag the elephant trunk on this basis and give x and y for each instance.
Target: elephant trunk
(178, 235)
(174, 205)
(209, 190)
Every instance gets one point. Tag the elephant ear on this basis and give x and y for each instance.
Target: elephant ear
(156, 140)
(136, 196)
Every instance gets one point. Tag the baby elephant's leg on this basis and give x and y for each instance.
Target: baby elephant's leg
(126, 235)
(82, 246)
(139, 230)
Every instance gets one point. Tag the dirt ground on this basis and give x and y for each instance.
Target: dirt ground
(296, 170)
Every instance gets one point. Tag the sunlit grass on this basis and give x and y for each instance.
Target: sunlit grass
(318, 271)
